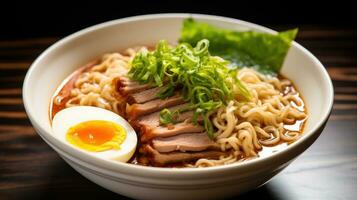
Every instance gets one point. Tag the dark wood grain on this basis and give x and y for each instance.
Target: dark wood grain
(30, 169)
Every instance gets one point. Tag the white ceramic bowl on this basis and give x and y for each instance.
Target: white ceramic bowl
(140, 182)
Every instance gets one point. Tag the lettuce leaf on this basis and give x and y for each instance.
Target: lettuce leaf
(265, 52)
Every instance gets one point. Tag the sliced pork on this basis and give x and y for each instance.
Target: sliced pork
(149, 132)
(153, 119)
(125, 86)
(180, 142)
(144, 96)
(133, 88)
(184, 142)
(136, 110)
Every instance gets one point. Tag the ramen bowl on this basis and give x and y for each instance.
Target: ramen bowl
(142, 182)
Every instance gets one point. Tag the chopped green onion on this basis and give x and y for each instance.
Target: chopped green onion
(168, 117)
(204, 80)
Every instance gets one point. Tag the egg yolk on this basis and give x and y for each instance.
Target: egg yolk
(96, 135)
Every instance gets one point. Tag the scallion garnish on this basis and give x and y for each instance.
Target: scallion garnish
(166, 117)
(204, 80)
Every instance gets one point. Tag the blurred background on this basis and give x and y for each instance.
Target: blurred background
(333, 24)
(58, 18)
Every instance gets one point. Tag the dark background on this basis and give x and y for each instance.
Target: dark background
(59, 18)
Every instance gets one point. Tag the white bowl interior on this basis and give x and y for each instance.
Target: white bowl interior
(61, 59)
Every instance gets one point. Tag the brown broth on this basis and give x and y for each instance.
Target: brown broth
(298, 126)
(64, 89)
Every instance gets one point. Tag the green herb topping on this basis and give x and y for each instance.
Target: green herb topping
(204, 80)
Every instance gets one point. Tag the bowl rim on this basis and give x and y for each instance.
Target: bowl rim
(114, 166)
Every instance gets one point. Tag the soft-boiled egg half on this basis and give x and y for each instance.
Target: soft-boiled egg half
(97, 131)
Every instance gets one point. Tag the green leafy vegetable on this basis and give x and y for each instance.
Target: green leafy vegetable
(167, 117)
(265, 52)
(204, 80)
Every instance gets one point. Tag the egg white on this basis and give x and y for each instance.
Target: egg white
(69, 117)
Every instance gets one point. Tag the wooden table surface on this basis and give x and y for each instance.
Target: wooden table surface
(30, 169)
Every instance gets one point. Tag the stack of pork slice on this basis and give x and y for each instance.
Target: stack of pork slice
(161, 145)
